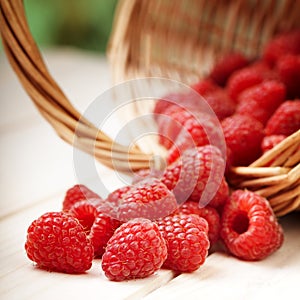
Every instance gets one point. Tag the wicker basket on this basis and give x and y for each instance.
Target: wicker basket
(173, 39)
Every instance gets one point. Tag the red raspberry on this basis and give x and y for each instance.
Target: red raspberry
(243, 136)
(269, 142)
(179, 99)
(160, 106)
(101, 231)
(247, 77)
(149, 199)
(57, 242)
(171, 123)
(249, 227)
(285, 120)
(221, 103)
(260, 101)
(209, 213)
(226, 66)
(204, 87)
(187, 241)
(196, 175)
(221, 195)
(115, 197)
(285, 43)
(216, 97)
(85, 212)
(77, 193)
(144, 174)
(288, 67)
(199, 131)
(136, 250)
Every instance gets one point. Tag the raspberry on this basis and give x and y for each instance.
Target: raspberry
(57, 242)
(285, 120)
(186, 99)
(85, 212)
(187, 241)
(216, 97)
(249, 228)
(209, 213)
(136, 250)
(226, 66)
(115, 197)
(196, 175)
(101, 231)
(160, 106)
(203, 87)
(288, 68)
(77, 193)
(221, 195)
(243, 135)
(285, 43)
(199, 131)
(221, 103)
(247, 77)
(260, 101)
(145, 173)
(192, 135)
(149, 199)
(170, 124)
(269, 142)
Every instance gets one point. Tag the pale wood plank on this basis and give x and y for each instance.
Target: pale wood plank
(21, 280)
(225, 277)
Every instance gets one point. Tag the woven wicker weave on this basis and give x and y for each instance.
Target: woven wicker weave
(175, 39)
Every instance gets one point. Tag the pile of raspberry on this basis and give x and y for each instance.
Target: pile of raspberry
(174, 218)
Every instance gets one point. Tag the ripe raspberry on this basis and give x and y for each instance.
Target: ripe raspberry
(285, 120)
(85, 212)
(221, 103)
(136, 250)
(77, 193)
(187, 241)
(196, 175)
(243, 135)
(199, 131)
(285, 43)
(288, 68)
(209, 213)
(226, 66)
(101, 231)
(57, 242)
(171, 123)
(221, 195)
(270, 141)
(180, 99)
(160, 106)
(260, 101)
(115, 197)
(145, 173)
(247, 77)
(192, 135)
(149, 199)
(204, 87)
(248, 226)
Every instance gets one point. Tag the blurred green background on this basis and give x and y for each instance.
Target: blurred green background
(85, 24)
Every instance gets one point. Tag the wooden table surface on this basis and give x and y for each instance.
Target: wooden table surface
(36, 170)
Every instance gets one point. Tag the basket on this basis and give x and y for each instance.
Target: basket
(173, 39)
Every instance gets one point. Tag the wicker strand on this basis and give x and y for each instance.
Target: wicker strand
(280, 182)
(52, 103)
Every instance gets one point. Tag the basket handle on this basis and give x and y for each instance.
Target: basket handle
(27, 62)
